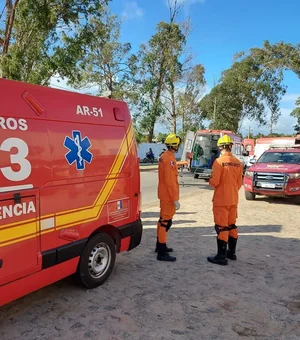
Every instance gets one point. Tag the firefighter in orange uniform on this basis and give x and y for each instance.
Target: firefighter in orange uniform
(227, 174)
(168, 194)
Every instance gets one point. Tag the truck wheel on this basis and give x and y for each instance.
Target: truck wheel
(196, 176)
(97, 261)
(249, 196)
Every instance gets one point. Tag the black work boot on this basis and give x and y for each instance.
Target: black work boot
(220, 258)
(162, 254)
(169, 250)
(231, 248)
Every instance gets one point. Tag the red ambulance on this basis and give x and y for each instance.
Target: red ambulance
(69, 187)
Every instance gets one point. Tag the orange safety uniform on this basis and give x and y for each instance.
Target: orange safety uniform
(227, 177)
(168, 193)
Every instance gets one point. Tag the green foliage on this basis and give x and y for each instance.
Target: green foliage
(158, 64)
(80, 40)
(296, 113)
(48, 37)
(140, 137)
(161, 137)
(245, 90)
(182, 97)
(275, 59)
(279, 56)
(107, 63)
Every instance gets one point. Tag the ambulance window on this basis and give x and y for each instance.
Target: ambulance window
(201, 138)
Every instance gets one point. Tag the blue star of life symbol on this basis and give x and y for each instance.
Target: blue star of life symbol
(78, 150)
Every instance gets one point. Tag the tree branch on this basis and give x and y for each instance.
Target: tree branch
(10, 23)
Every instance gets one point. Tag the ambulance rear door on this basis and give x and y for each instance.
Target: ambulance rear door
(25, 169)
(188, 145)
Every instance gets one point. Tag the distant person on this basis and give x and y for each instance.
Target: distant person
(213, 157)
(226, 178)
(150, 155)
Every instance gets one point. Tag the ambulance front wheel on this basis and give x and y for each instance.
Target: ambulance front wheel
(97, 261)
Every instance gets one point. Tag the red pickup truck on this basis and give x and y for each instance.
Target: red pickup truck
(275, 173)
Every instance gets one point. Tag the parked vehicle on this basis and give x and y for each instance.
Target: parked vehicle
(264, 143)
(69, 187)
(275, 173)
(201, 150)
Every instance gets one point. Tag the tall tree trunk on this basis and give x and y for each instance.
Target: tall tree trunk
(174, 116)
(271, 122)
(151, 134)
(11, 11)
(174, 127)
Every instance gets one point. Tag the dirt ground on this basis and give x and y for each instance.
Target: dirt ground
(256, 297)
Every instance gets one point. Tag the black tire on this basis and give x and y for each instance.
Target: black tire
(249, 196)
(100, 247)
(196, 176)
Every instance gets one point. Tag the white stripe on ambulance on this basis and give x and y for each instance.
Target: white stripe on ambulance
(16, 210)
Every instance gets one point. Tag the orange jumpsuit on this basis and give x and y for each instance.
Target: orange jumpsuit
(227, 177)
(168, 193)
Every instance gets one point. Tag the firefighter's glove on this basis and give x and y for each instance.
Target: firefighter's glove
(177, 205)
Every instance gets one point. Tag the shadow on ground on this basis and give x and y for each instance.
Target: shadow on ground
(279, 200)
(149, 214)
(255, 297)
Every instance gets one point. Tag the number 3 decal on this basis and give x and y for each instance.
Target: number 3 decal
(18, 158)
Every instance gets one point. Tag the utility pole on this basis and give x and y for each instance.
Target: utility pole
(215, 109)
(215, 105)
(271, 123)
(249, 131)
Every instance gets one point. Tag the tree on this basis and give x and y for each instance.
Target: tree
(274, 91)
(41, 38)
(184, 83)
(140, 137)
(159, 64)
(296, 113)
(244, 91)
(107, 63)
(277, 57)
(161, 137)
(188, 100)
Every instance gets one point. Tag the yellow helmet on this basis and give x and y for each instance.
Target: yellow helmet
(225, 140)
(172, 140)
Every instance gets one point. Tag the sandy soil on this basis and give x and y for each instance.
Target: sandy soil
(257, 297)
